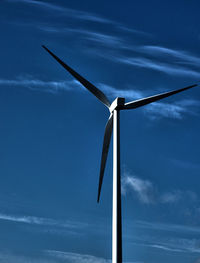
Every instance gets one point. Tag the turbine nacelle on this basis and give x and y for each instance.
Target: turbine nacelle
(117, 104)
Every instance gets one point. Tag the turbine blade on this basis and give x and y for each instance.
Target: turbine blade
(141, 102)
(106, 143)
(95, 91)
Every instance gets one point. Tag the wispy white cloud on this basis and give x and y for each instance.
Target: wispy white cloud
(99, 38)
(61, 10)
(53, 256)
(82, 15)
(147, 193)
(170, 69)
(176, 245)
(165, 248)
(157, 110)
(153, 62)
(40, 4)
(79, 258)
(152, 111)
(171, 237)
(119, 44)
(135, 31)
(42, 221)
(143, 188)
(104, 39)
(95, 36)
(69, 85)
(16, 258)
(151, 57)
(76, 257)
(41, 85)
(158, 246)
(183, 56)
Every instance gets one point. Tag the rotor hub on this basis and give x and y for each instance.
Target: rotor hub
(117, 104)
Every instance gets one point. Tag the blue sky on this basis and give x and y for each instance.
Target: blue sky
(52, 130)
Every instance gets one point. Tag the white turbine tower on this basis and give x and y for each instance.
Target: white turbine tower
(113, 123)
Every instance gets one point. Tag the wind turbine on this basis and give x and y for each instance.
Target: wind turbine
(113, 124)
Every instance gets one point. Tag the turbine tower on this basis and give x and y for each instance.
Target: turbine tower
(113, 124)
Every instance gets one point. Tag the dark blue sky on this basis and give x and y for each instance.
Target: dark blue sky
(52, 130)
